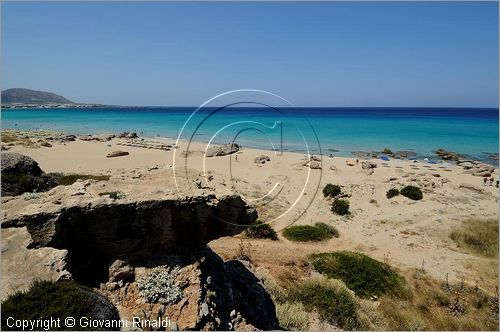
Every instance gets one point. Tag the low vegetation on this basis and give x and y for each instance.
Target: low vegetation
(15, 184)
(307, 233)
(479, 237)
(331, 190)
(159, 286)
(330, 299)
(292, 316)
(364, 275)
(393, 192)
(48, 299)
(261, 231)
(69, 179)
(436, 305)
(423, 304)
(340, 207)
(412, 192)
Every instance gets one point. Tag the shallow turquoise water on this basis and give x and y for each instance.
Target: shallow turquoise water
(469, 131)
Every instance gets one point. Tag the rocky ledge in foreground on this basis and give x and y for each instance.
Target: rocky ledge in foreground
(148, 256)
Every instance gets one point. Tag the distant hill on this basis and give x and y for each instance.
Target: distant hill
(26, 96)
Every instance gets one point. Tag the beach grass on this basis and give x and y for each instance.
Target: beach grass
(478, 237)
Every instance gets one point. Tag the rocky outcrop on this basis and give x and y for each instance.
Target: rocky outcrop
(126, 134)
(222, 150)
(22, 174)
(95, 234)
(98, 138)
(447, 155)
(21, 266)
(476, 168)
(202, 292)
(118, 153)
(313, 162)
(262, 159)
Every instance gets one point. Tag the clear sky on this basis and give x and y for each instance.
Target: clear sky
(314, 54)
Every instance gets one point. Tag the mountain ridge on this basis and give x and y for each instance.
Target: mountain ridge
(28, 96)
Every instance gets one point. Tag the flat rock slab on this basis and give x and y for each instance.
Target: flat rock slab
(118, 153)
(22, 266)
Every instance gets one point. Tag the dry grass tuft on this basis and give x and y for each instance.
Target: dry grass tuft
(479, 237)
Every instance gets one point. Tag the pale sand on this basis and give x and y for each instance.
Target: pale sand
(404, 232)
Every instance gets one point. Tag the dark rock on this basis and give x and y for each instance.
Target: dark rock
(22, 174)
(120, 270)
(262, 159)
(118, 153)
(223, 150)
(368, 164)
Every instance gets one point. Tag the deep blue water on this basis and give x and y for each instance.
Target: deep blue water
(469, 131)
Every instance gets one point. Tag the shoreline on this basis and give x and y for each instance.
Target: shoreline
(411, 155)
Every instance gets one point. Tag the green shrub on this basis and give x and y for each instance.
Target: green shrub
(392, 193)
(331, 190)
(48, 299)
(307, 233)
(261, 231)
(331, 299)
(340, 207)
(412, 193)
(364, 275)
(327, 229)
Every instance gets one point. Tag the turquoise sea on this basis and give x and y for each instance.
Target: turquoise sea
(338, 131)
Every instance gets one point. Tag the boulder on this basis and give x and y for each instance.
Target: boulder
(314, 164)
(467, 165)
(262, 159)
(447, 155)
(22, 174)
(118, 153)
(98, 138)
(222, 150)
(120, 270)
(16, 163)
(368, 164)
(127, 134)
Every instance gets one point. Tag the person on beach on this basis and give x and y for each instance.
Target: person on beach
(497, 183)
(491, 181)
(485, 180)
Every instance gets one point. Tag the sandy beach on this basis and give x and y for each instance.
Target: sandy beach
(409, 234)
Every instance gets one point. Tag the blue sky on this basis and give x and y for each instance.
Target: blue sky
(313, 54)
